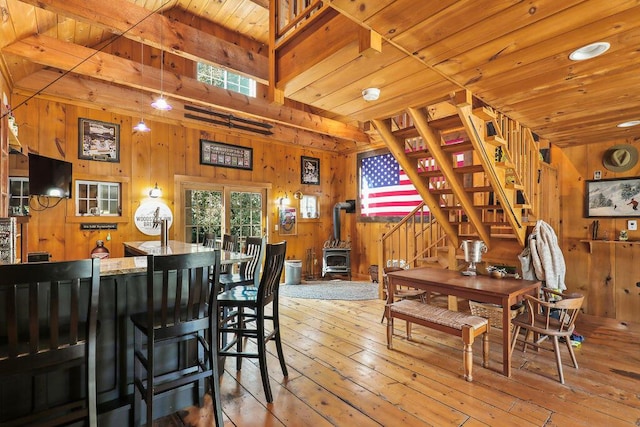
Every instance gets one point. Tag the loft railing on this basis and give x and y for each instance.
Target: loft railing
(293, 15)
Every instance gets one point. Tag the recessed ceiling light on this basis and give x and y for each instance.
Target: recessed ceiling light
(589, 51)
(629, 124)
(371, 94)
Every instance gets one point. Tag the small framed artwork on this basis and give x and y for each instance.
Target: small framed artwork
(612, 198)
(310, 170)
(225, 155)
(98, 140)
(288, 221)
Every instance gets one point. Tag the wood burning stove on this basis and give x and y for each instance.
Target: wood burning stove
(336, 254)
(336, 261)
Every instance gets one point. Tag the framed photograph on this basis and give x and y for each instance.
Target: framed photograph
(288, 221)
(98, 140)
(612, 198)
(310, 170)
(225, 155)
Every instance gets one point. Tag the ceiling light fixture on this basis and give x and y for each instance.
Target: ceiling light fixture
(141, 126)
(589, 51)
(371, 94)
(160, 103)
(155, 192)
(628, 124)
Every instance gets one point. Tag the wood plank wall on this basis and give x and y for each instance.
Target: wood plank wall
(51, 128)
(609, 275)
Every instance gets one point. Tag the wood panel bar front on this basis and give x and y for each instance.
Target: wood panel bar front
(504, 292)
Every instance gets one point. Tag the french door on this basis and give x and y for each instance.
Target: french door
(221, 209)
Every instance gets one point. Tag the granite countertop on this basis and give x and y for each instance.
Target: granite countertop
(128, 265)
(138, 264)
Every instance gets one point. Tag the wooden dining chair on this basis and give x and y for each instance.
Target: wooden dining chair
(249, 272)
(552, 316)
(48, 324)
(174, 339)
(244, 314)
(229, 243)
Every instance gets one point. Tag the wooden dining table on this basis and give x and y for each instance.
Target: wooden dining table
(504, 292)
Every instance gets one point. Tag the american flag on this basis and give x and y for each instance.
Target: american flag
(385, 190)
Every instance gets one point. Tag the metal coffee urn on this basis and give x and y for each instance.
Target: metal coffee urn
(473, 250)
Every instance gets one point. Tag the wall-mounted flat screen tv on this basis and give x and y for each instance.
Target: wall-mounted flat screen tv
(49, 177)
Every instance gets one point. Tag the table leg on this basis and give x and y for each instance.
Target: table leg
(506, 337)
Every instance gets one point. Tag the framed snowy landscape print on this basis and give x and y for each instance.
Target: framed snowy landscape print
(612, 198)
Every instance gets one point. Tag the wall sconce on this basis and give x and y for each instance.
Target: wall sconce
(155, 192)
(297, 195)
(284, 201)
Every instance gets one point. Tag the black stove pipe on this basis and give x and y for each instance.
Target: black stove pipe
(336, 217)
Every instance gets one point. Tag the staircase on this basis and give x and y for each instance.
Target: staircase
(476, 170)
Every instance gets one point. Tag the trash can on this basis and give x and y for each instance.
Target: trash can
(292, 272)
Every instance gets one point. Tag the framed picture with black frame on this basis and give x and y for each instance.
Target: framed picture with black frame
(225, 155)
(618, 197)
(310, 170)
(98, 140)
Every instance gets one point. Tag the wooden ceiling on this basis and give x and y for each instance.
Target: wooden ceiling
(513, 55)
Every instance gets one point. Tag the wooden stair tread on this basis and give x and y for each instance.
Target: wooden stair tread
(408, 132)
(461, 169)
(495, 140)
(514, 186)
(418, 154)
(482, 189)
(484, 113)
(453, 148)
(480, 207)
(505, 165)
(446, 123)
(457, 147)
(489, 223)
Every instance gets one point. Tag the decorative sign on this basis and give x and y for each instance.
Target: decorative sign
(148, 216)
(99, 226)
(226, 155)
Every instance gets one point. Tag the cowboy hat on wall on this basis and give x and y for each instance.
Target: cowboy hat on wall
(620, 158)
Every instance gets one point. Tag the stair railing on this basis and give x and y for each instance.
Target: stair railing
(416, 239)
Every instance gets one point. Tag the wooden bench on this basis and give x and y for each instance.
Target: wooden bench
(464, 325)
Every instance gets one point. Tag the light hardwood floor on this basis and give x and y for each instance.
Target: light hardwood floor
(342, 374)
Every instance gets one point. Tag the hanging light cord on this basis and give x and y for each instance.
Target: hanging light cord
(110, 42)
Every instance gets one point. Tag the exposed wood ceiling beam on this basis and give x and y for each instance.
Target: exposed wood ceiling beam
(88, 93)
(140, 24)
(88, 62)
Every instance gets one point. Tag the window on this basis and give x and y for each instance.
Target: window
(98, 198)
(220, 77)
(246, 214)
(19, 195)
(309, 207)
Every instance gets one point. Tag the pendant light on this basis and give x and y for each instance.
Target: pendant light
(160, 103)
(141, 126)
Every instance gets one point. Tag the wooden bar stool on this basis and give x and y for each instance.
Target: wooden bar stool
(251, 323)
(49, 324)
(249, 274)
(174, 339)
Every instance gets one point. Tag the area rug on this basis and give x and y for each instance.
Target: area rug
(332, 290)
